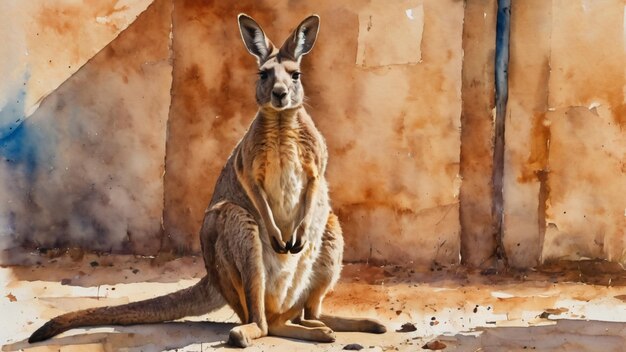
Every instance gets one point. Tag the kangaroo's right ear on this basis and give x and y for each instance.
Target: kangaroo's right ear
(254, 38)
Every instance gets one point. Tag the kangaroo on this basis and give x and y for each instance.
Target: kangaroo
(272, 246)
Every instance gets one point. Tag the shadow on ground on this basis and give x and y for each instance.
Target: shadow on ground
(153, 337)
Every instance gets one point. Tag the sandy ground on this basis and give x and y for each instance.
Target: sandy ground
(449, 308)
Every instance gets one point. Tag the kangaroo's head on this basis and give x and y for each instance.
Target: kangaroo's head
(279, 87)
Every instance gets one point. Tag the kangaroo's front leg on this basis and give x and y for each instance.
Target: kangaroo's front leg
(242, 262)
(253, 184)
(307, 199)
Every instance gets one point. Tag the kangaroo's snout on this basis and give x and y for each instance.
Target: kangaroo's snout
(279, 96)
(279, 92)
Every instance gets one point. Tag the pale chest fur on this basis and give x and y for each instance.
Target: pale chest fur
(284, 179)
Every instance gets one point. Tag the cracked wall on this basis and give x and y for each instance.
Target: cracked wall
(402, 91)
(565, 142)
(390, 115)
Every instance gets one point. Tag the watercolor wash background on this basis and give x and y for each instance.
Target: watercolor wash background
(116, 118)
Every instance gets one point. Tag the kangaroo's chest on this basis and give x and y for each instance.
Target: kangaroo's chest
(284, 179)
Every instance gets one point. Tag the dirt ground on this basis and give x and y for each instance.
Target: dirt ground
(571, 307)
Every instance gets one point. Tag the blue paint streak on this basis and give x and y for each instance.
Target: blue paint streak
(503, 26)
(12, 114)
(17, 143)
(27, 145)
(20, 149)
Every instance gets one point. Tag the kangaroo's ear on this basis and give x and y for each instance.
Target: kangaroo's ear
(254, 38)
(302, 40)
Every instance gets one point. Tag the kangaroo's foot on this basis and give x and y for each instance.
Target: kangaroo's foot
(300, 332)
(310, 323)
(242, 335)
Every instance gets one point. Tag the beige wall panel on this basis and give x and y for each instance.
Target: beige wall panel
(565, 142)
(86, 169)
(392, 130)
(45, 42)
(526, 136)
(478, 238)
(587, 180)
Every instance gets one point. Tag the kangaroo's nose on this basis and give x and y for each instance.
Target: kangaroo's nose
(279, 92)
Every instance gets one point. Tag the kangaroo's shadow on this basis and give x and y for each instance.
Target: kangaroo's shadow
(146, 337)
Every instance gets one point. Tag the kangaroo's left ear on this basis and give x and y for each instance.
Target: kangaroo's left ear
(301, 41)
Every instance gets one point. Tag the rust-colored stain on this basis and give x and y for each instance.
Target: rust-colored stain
(11, 297)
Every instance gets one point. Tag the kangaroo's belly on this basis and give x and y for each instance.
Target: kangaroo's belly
(290, 278)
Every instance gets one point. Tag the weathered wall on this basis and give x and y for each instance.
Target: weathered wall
(566, 145)
(391, 117)
(45, 42)
(86, 168)
(525, 133)
(478, 237)
(402, 91)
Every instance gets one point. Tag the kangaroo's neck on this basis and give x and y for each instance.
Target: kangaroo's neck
(284, 118)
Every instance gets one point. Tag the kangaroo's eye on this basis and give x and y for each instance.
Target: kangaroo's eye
(263, 75)
(295, 76)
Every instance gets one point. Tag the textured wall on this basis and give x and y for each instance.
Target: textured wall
(391, 117)
(402, 91)
(525, 138)
(85, 169)
(565, 175)
(478, 238)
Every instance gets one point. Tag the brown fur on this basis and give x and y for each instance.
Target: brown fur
(271, 244)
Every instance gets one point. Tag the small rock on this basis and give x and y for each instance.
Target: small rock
(66, 281)
(434, 345)
(94, 264)
(407, 327)
(11, 297)
(353, 347)
(135, 271)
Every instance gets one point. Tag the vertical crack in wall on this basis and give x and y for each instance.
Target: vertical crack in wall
(503, 27)
(164, 238)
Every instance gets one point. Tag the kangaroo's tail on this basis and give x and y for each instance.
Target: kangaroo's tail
(195, 300)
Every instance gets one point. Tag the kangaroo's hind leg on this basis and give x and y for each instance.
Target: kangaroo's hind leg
(238, 267)
(328, 270)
